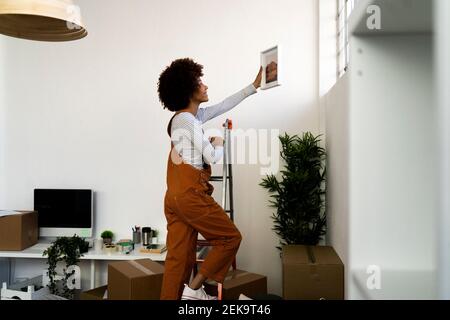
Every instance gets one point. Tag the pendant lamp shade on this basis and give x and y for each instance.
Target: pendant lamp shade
(43, 20)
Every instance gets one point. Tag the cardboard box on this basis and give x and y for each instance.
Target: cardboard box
(100, 293)
(237, 282)
(19, 231)
(312, 273)
(135, 280)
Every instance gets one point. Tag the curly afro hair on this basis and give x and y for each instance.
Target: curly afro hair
(178, 82)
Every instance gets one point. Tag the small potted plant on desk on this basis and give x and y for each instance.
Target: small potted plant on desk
(107, 237)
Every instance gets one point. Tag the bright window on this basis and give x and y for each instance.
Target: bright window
(344, 9)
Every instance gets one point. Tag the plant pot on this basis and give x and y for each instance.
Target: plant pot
(84, 248)
(107, 241)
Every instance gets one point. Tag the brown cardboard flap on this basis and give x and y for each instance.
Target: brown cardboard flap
(326, 255)
(94, 294)
(138, 268)
(299, 254)
(241, 277)
(239, 282)
(234, 275)
(236, 278)
(295, 254)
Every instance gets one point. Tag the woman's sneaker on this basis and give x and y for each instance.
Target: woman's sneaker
(199, 294)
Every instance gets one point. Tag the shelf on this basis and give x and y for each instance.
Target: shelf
(397, 17)
(35, 252)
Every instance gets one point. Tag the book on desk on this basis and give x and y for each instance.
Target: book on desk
(153, 248)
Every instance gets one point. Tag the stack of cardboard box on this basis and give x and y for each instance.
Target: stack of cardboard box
(142, 280)
(309, 272)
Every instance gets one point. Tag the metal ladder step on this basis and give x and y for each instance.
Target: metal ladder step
(218, 178)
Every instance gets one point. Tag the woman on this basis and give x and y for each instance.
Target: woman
(188, 205)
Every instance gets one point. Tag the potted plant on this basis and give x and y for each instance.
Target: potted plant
(298, 196)
(107, 237)
(69, 250)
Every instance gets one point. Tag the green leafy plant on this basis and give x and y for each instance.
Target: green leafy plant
(299, 195)
(69, 250)
(107, 234)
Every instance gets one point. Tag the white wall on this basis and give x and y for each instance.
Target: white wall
(442, 27)
(4, 274)
(328, 45)
(336, 104)
(2, 115)
(86, 114)
(327, 55)
(393, 153)
(334, 125)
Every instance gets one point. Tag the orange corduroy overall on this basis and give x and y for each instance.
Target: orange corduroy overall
(190, 209)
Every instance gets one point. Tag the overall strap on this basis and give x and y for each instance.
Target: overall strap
(169, 126)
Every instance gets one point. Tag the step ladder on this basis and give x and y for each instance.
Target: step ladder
(227, 197)
(227, 174)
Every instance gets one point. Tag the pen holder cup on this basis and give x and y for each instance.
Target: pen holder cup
(136, 237)
(146, 236)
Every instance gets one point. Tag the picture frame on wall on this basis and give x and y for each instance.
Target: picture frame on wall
(270, 62)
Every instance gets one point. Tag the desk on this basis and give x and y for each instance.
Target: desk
(35, 252)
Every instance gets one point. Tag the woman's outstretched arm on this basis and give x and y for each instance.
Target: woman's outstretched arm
(206, 114)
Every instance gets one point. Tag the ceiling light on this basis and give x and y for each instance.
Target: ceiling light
(43, 20)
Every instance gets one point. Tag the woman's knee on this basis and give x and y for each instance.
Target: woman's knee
(237, 239)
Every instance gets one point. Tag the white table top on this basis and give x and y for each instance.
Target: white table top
(35, 252)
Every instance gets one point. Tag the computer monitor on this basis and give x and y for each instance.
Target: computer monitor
(64, 212)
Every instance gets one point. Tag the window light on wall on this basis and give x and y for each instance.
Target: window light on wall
(344, 9)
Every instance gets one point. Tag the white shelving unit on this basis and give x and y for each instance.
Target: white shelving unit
(384, 140)
(397, 284)
(397, 17)
(442, 63)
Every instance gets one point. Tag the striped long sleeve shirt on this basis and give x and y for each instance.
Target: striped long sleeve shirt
(188, 136)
